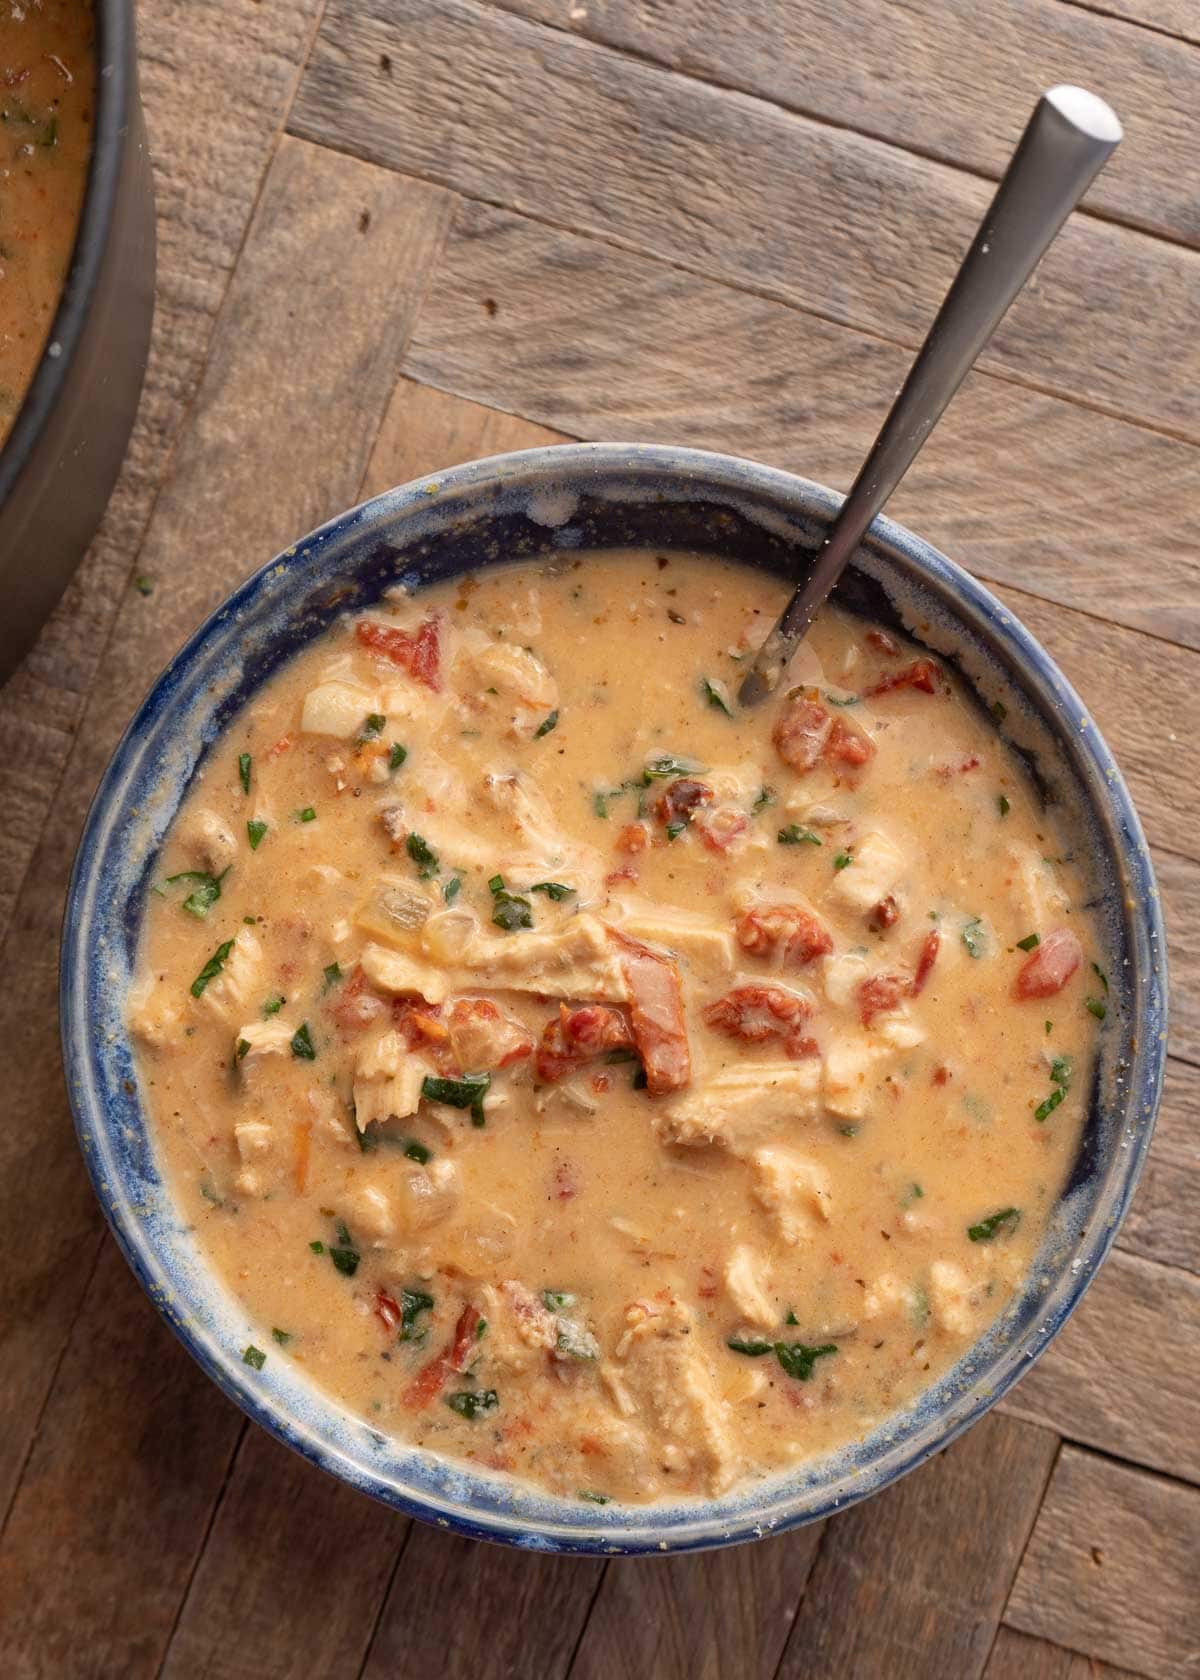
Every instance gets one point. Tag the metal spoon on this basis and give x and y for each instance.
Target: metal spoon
(1065, 145)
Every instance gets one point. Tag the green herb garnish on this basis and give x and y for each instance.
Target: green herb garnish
(255, 830)
(244, 771)
(508, 911)
(254, 1356)
(594, 1498)
(666, 767)
(715, 697)
(413, 1302)
(397, 756)
(1101, 976)
(1061, 1069)
(302, 1044)
(1002, 805)
(417, 1151)
(553, 889)
(558, 1300)
(332, 973)
(374, 725)
(794, 835)
(317, 1247)
(1096, 1007)
(212, 968)
(243, 1044)
(144, 584)
(844, 700)
(798, 1360)
(468, 1403)
(973, 936)
(764, 797)
(1029, 941)
(452, 889)
(1044, 1110)
(467, 1092)
(422, 854)
(843, 860)
(549, 722)
(306, 815)
(205, 894)
(675, 829)
(752, 1349)
(283, 1337)
(343, 1253)
(987, 1228)
(273, 1005)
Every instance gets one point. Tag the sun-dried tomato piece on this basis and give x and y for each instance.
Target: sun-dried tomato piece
(880, 993)
(679, 799)
(1047, 969)
(722, 827)
(930, 946)
(885, 914)
(656, 1015)
(789, 933)
(924, 674)
(387, 1309)
(577, 1036)
(848, 743)
(416, 651)
(432, 1378)
(354, 1005)
(634, 837)
(419, 1023)
(755, 1014)
(483, 1036)
(801, 731)
(885, 643)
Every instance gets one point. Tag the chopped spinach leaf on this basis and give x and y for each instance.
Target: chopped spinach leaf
(1029, 941)
(752, 1349)
(1096, 1007)
(666, 766)
(374, 725)
(1044, 1110)
(575, 1342)
(467, 1092)
(714, 694)
(302, 1044)
(1049, 1028)
(675, 829)
(594, 1498)
(416, 1151)
(283, 1337)
(549, 722)
(987, 1228)
(998, 710)
(332, 973)
(468, 1403)
(204, 895)
(413, 1302)
(1061, 1069)
(317, 1247)
(558, 1300)
(1002, 805)
(764, 797)
(973, 936)
(244, 771)
(397, 756)
(306, 815)
(255, 829)
(508, 911)
(600, 804)
(1101, 976)
(794, 835)
(798, 1360)
(243, 1044)
(553, 889)
(452, 889)
(422, 854)
(212, 968)
(791, 1318)
(254, 1356)
(273, 1005)
(343, 1253)
(144, 584)
(843, 700)
(843, 860)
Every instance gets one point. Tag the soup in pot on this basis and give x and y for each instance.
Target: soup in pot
(47, 94)
(580, 1076)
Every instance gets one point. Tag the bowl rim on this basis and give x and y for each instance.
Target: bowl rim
(112, 135)
(595, 1532)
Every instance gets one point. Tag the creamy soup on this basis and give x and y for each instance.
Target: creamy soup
(47, 87)
(579, 1076)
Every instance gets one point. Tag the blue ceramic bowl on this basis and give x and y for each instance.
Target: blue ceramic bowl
(537, 504)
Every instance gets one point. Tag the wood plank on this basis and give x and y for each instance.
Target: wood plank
(239, 491)
(913, 1583)
(1016, 1656)
(1162, 1224)
(425, 431)
(702, 1617)
(924, 77)
(1173, 17)
(292, 1577)
(1121, 1375)
(238, 61)
(134, 1447)
(1179, 885)
(458, 1607)
(1018, 486)
(1113, 1568)
(726, 185)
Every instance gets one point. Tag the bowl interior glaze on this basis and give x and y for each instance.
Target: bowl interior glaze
(544, 503)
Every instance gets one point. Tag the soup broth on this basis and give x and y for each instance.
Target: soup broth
(47, 91)
(579, 1076)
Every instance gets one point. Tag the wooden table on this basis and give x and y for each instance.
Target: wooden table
(396, 234)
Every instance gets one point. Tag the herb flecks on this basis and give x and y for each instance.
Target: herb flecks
(716, 695)
(467, 1092)
(549, 722)
(1003, 1219)
(974, 937)
(343, 1253)
(797, 1359)
(422, 854)
(302, 1044)
(555, 890)
(244, 762)
(205, 893)
(470, 1402)
(212, 968)
(509, 911)
(254, 1357)
(255, 829)
(794, 835)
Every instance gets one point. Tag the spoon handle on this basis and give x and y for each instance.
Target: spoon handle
(1067, 141)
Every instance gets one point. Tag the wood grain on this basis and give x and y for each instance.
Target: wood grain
(925, 76)
(240, 489)
(295, 1566)
(1173, 17)
(238, 60)
(116, 1496)
(913, 1583)
(425, 431)
(1113, 1568)
(704, 1617)
(1016, 1656)
(1179, 885)
(726, 185)
(1109, 1379)
(487, 1612)
(1162, 1224)
(1018, 486)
